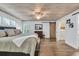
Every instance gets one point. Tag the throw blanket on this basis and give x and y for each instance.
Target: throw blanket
(19, 41)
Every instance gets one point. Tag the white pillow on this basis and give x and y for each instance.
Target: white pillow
(2, 33)
(10, 32)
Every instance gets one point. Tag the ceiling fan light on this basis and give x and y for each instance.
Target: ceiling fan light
(38, 17)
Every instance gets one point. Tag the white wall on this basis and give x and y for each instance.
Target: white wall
(71, 33)
(59, 33)
(58, 30)
(78, 31)
(31, 27)
(46, 29)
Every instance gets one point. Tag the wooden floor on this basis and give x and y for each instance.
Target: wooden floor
(51, 48)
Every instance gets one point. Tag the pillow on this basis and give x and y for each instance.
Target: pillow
(2, 33)
(17, 31)
(10, 32)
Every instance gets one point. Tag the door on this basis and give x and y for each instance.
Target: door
(53, 31)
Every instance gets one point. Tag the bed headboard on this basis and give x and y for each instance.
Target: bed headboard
(2, 28)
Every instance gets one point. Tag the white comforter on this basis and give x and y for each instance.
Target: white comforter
(19, 43)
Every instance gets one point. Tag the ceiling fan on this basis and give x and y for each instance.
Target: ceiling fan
(39, 12)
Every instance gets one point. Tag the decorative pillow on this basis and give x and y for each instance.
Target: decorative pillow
(17, 31)
(2, 33)
(10, 32)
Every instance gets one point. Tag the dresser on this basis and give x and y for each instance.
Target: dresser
(40, 34)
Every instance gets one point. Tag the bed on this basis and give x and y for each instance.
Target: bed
(19, 45)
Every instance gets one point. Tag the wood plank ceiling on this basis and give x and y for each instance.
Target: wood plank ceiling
(23, 11)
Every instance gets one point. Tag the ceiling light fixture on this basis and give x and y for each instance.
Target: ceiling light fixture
(39, 12)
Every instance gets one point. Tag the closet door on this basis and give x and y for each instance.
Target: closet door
(53, 31)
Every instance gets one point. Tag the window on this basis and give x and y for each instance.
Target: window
(0, 20)
(12, 22)
(6, 21)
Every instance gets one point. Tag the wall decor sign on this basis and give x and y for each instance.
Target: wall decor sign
(71, 25)
(38, 26)
(68, 21)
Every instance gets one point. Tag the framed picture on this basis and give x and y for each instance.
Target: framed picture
(71, 25)
(38, 26)
(68, 21)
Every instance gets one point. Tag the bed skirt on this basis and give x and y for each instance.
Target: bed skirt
(4, 53)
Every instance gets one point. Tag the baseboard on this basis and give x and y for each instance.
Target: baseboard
(71, 45)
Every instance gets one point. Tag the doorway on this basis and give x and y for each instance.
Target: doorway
(52, 31)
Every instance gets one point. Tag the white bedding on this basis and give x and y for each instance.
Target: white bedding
(20, 43)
